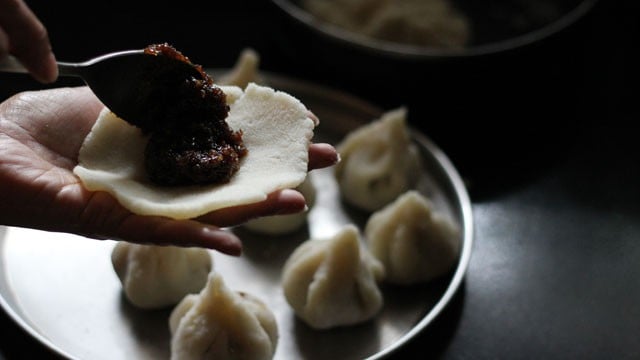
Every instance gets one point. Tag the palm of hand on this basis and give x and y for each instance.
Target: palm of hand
(40, 136)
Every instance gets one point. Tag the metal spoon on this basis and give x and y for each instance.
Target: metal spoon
(124, 81)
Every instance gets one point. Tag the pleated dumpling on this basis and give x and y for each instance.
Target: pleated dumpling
(245, 70)
(275, 225)
(219, 323)
(379, 162)
(413, 241)
(159, 276)
(333, 282)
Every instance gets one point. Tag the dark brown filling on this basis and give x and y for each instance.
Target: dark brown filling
(190, 142)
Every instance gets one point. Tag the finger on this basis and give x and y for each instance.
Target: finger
(104, 218)
(163, 231)
(281, 202)
(28, 40)
(4, 44)
(322, 155)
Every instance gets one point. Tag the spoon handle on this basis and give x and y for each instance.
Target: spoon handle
(70, 69)
(11, 64)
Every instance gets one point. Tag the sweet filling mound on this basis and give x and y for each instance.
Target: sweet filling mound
(190, 141)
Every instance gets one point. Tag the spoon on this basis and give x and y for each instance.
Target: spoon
(125, 81)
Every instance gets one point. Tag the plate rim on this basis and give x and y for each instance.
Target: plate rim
(466, 212)
(19, 320)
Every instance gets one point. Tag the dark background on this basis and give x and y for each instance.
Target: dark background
(545, 137)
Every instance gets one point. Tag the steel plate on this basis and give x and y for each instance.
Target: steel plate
(63, 291)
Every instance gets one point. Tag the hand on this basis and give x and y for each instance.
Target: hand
(40, 136)
(24, 36)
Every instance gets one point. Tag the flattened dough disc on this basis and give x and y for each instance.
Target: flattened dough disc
(277, 132)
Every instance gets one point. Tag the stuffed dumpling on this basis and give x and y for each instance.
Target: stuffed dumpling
(284, 224)
(333, 282)
(413, 241)
(219, 323)
(379, 162)
(159, 276)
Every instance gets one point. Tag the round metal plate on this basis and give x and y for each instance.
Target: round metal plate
(63, 291)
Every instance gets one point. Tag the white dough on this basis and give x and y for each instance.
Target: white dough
(159, 276)
(333, 282)
(413, 241)
(277, 132)
(379, 162)
(285, 224)
(219, 323)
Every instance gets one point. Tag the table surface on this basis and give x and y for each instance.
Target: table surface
(546, 144)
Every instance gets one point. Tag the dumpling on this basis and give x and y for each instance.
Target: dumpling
(379, 162)
(244, 72)
(219, 323)
(159, 276)
(285, 224)
(413, 241)
(430, 23)
(333, 282)
(277, 131)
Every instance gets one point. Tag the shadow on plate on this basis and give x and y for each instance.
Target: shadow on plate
(149, 328)
(349, 342)
(434, 339)
(270, 252)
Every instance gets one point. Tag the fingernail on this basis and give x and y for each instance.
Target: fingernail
(314, 118)
(47, 71)
(289, 194)
(289, 202)
(222, 241)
